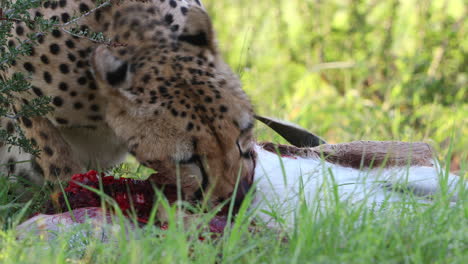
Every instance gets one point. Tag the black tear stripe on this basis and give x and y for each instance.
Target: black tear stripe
(205, 180)
(199, 39)
(118, 76)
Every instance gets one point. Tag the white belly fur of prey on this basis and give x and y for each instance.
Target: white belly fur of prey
(280, 184)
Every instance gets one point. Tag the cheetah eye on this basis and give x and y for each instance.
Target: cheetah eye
(192, 160)
(244, 154)
(248, 155)
(244, 142)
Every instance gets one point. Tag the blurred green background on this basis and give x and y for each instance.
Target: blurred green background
(354, 69)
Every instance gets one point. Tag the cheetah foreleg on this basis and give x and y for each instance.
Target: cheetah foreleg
(57, 159)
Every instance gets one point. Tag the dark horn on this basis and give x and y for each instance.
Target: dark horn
(293, 133)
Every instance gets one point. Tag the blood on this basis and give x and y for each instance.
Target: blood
(133, 197)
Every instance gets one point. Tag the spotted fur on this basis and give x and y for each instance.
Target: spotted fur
(162, 93)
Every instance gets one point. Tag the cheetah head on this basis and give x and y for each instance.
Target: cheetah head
(180, 108)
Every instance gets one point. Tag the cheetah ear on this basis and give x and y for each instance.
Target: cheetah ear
(109, 68)
(198, 30)
(293, 133)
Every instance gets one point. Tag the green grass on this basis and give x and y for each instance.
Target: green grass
(327, 231)
(346, 70)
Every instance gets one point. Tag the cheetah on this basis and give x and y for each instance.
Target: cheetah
(164, 95)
